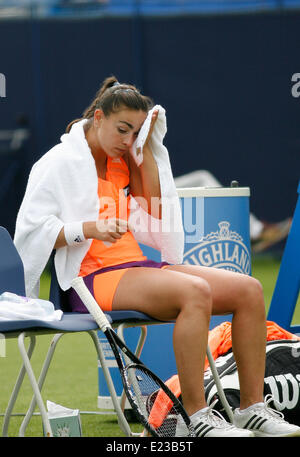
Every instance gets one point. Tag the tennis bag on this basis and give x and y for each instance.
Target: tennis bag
(282, 379)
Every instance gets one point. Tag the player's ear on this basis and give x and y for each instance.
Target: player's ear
(98, 116)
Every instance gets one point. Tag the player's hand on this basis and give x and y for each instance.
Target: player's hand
(110, 230)
(153, 120)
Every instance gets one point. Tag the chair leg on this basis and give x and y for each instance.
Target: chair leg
(16, 390)
(40, 383)
(138, 350)
(219, 385)
(132, 380)
(26, 367)
(123, 423)
(141, 340)
(34, 384)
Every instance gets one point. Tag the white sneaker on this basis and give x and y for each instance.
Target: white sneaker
(264, 421)
(210, 423)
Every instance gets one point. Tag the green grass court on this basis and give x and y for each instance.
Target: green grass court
(72, 379)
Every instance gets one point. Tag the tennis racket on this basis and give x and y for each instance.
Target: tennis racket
(155, 406)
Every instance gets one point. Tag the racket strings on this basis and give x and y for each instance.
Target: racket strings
(158, 409)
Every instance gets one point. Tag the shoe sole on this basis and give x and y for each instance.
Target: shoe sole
(270, 435)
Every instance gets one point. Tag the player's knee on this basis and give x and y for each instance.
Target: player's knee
(254, 296)
(198, 296)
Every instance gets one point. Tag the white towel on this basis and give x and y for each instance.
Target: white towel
(168, 232)
(158, 134)
(62, 187)
(15, 307)
(53, 197)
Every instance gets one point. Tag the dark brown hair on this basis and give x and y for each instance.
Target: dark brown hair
(112, 97)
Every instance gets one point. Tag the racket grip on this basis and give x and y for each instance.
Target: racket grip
(85, 295)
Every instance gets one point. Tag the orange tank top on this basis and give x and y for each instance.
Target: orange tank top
(114, 198)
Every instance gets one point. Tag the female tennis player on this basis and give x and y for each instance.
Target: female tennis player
(87, 225)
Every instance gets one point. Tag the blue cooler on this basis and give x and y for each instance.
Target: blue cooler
(216, 226)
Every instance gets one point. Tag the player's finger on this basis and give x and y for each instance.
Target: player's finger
(121, 225)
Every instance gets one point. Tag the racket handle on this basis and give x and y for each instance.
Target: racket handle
(79, 286)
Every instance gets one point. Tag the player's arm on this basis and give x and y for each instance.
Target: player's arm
(108, 230)
(144, 180)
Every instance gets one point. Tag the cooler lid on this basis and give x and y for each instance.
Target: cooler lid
(213, 192)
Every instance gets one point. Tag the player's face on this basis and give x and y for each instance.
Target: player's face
(117, 132)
